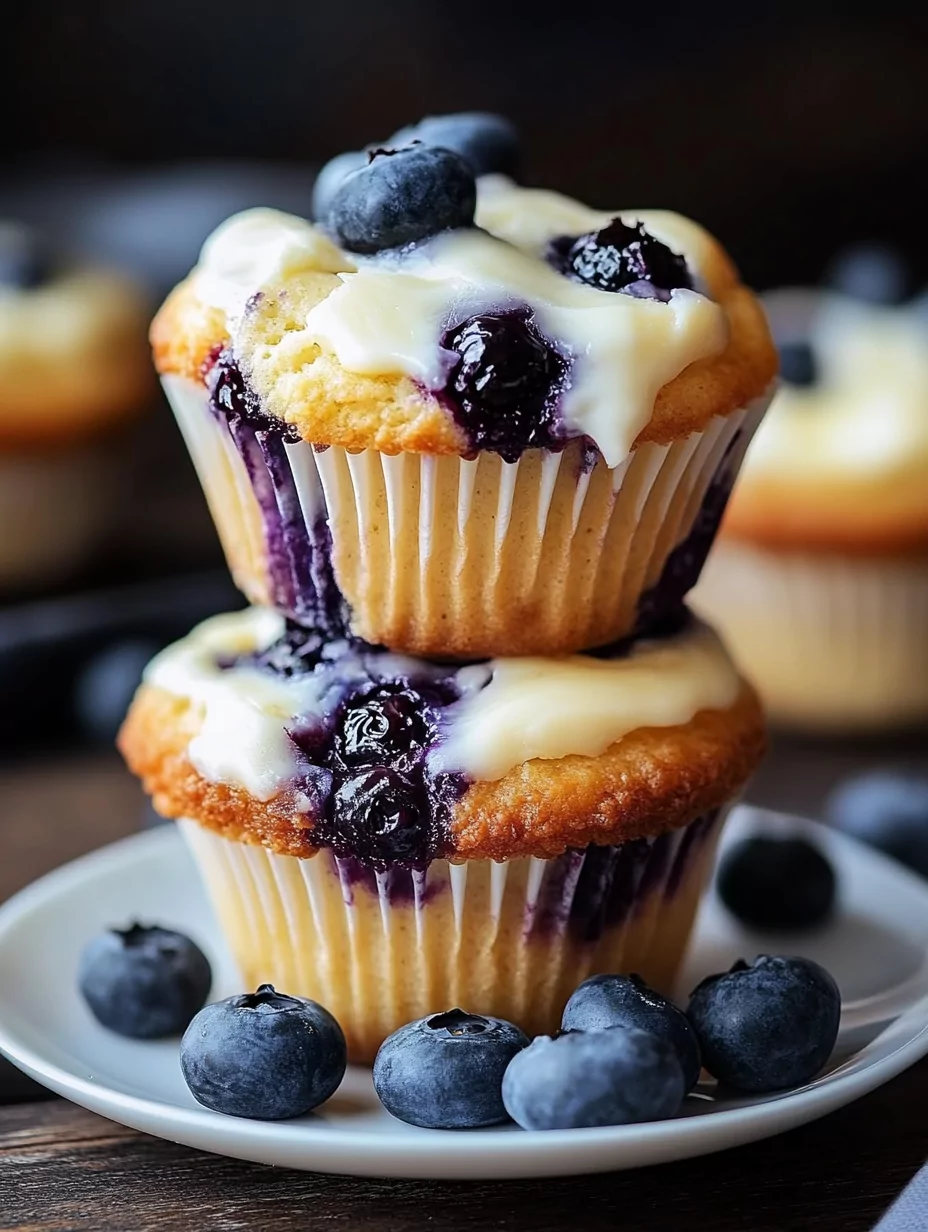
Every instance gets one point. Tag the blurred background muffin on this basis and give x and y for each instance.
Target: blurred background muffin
(73, 373)
(820, 577)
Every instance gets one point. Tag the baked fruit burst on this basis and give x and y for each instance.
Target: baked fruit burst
(459, 417)
(386, 834)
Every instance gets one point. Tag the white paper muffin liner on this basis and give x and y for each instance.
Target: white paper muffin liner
(445, 556)
(511, 938)
(55, 505)
(830, 642)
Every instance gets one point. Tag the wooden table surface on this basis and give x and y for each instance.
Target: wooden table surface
(64, 1168)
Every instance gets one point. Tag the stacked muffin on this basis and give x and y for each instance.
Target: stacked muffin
(466, 445)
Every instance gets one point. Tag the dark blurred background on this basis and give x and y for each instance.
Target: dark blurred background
(130, 130)
(788, 129)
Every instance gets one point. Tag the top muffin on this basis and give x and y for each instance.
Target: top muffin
(439, 313)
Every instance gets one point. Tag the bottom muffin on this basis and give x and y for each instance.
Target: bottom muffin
(392, 836)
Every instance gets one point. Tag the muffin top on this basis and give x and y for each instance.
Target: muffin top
(841, 459)
(266, 731)
(439, 307)
(72, 344)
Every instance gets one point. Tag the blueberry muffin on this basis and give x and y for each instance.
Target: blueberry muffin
(459, 417)
(73, 369)
(388, 834)
(820, 578)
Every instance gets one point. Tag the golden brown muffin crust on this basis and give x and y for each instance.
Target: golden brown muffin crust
(653, 780)
(331, 406)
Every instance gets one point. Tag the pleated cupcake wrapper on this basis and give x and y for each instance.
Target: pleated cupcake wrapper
(54, 506)
(511, 939)
(441, 555)
(831, 642)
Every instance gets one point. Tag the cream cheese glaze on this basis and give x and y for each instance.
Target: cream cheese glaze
(510, 710)
(866, 417)
(390, 311)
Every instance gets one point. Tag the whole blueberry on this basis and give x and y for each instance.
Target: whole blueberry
(144, 982)
(798, 365)
(386, 726)
(263, 1055)
(505, 383)
(25, 257)
(888, 811)
(402, 196)
(875, 273)
(330, 178)
(617, 1076)
(767, 1026)
(777, 883)
(626, 1001)
(446, 1071)
(380, 817)
(489, 143)
(620, 257)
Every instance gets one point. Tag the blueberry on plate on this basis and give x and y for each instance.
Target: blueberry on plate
(798, 365)
(886, 810)
(777, 883)
(767, 1026)
(875, 273)
(618, 1076)
(446, 1071)
(402, 196)
(626, 1001)
(263, 1055)
(488, 142)
(25, 258)
(146, 983)
(330, 178)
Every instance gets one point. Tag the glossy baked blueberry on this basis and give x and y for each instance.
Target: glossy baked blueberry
(777, 883)
(295, 653)
(622, 258)
(382, 817)
(488, 142)
(402, 196)
(888, 811)
(505, 384)
(330, 179)
(626, 1001)
(144, 982)
(617, 1076)
(263, 1055)
(767, 1026)
(874, 273)
(25, 257)
(798, 365)
(446, 1071)
(387, 726)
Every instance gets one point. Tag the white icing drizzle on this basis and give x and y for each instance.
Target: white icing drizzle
(867, 415)
(390, 311)
(511, 710)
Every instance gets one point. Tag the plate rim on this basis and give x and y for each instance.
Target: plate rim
(495, 1153)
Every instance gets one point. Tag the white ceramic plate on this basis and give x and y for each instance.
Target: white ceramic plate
(875, 950)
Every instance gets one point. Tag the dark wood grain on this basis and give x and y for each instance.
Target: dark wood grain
(63, 1168)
